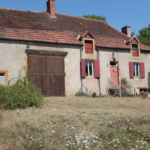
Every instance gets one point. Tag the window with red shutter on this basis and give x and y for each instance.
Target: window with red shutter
(131, 69)
(88, 47)
(135, 50)
(96, 69)
(83, 68)
(137, 69)
(142, 70)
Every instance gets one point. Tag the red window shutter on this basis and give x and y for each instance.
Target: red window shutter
(134, 50)
(83, 68)
(96, 68)
(131, 70)
(142, 70)
(89, 47)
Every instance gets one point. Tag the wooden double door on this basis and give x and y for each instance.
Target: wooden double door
(47, 72)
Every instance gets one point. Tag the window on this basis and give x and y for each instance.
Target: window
(2, 78)
(88, 47)
(89, 68)
(113, 63)
(136, 67)
(137, 70)
(135, 50)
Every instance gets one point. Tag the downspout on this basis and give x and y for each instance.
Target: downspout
(81, 76)
(99, 77)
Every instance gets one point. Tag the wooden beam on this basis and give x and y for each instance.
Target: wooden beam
(43, 52)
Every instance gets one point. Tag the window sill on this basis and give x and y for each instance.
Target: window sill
(135, 56)
(89, 77)
(137, 78)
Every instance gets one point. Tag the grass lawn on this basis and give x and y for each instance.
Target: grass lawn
(78, 123)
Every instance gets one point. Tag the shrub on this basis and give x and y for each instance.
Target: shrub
(21, 94)
(80, 93)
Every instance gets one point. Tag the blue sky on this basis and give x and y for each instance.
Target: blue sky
(118, 13)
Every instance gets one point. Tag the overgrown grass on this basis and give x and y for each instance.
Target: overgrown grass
(73, 123)
(125, 134)
(20, 94)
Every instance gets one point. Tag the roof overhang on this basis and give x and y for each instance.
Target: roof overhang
(39, 41)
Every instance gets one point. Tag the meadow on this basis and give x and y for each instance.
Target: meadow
(78, 123)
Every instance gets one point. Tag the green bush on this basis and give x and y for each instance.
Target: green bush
(21, 94)
(80, 93)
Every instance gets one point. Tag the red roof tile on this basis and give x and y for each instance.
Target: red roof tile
(41, 26)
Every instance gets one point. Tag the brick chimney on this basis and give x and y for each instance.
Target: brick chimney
(51, 7)
(126, 30)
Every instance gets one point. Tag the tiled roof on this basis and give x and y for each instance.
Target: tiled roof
(144, 47)
(65, 29)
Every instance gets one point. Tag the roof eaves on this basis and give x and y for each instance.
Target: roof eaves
(1, 8)
(113, 47)
(39, 41)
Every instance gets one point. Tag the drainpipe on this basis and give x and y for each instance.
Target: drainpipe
(99, 77)
(81, 76)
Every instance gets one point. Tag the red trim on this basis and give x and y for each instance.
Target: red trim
(134, 40)
(142, 70)
(88, 32)
(96, 68)
(135, 50)
(131, 72)
(83, 74)
(88, 47)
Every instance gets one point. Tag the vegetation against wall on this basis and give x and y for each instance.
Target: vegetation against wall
(20, 94)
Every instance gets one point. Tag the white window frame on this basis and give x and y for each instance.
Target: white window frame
(89, 69)
(135, 71)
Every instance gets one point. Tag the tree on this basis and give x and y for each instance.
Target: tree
(144, 36)
(95, 17)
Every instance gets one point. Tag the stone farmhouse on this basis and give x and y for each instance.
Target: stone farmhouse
(64, 54)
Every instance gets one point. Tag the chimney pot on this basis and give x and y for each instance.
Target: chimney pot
(126, 30)
(51, 7)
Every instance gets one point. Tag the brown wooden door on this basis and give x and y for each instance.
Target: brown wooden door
(55, 76)
(114, 76)
(37, 71)
(47, 72)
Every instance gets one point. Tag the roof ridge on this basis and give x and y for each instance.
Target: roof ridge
(20, 10)
(119, 31)
(82, 18)
(94, 20)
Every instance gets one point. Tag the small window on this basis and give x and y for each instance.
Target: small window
(89, 68)
(88, 47)
(2, 78)
(135, 50)
(2, 74)
(136, 68)
(113, 63)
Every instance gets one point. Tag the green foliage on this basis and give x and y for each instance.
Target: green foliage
(125, 84)
(132, 34)
(95, 17)
(80, 93)
(21, 94)
(144, 36)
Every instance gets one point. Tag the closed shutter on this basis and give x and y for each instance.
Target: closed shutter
(131, 69)
(142, 70)
(83, 68)
(96, 68)
(88, 47)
